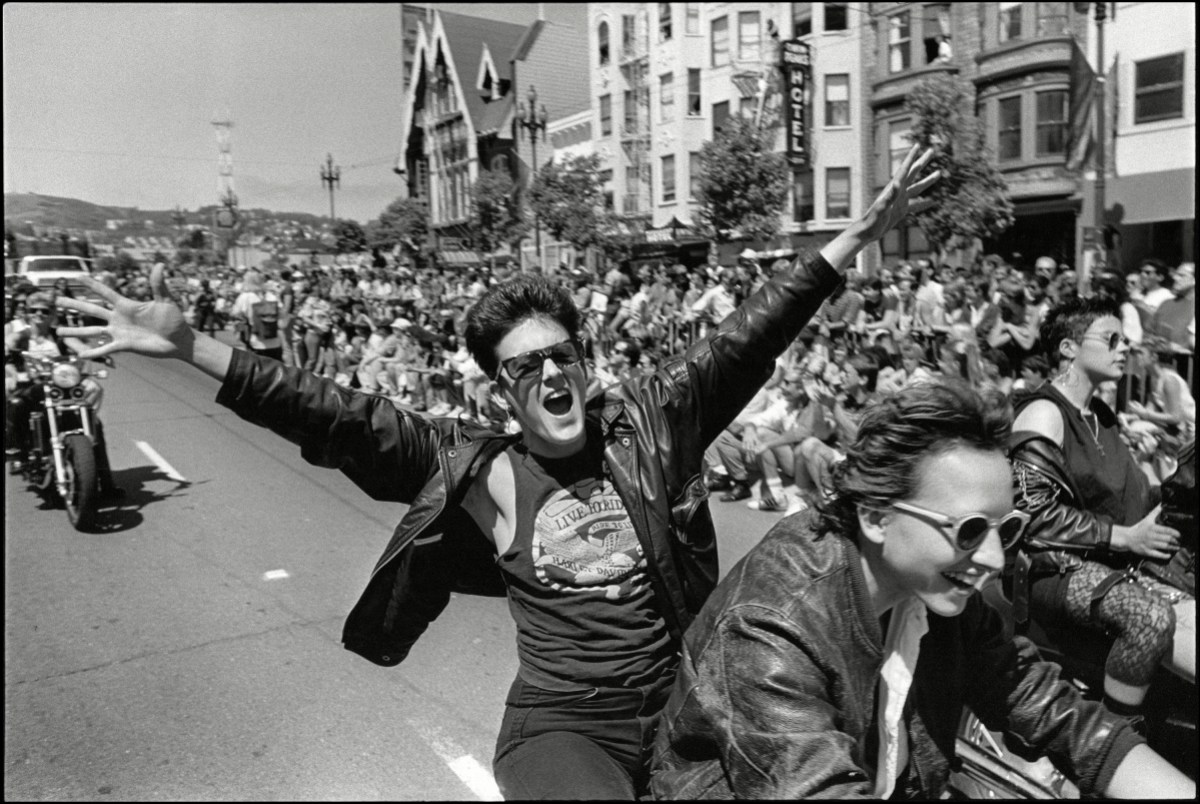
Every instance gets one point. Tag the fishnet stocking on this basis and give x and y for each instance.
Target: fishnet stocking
(1141, 623)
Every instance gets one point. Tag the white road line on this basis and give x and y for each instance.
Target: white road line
(275, 575)
(468, 769)
(160, 461)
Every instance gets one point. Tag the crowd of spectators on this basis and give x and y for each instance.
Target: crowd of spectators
(396, 331)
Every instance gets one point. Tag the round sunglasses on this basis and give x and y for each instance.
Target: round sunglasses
(529, 364)
(967, 532)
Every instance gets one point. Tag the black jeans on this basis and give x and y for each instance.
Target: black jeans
(578, 745)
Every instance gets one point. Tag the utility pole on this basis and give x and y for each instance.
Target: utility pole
(533, 120)
(1099, 186)
(331, 175)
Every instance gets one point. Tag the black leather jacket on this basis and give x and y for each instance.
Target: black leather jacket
(776, 688)
(655, 430)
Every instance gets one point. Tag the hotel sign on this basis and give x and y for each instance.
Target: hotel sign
(796, 63)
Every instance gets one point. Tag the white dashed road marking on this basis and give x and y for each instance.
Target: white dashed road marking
(468, 769)
(275, 575)
(160, 461)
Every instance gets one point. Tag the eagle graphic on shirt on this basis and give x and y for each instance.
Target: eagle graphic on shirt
(583, 541)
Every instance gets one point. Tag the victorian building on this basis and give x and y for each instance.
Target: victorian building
(460, 111)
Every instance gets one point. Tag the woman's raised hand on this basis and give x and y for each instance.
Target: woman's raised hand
(155, 328)
(899, 197)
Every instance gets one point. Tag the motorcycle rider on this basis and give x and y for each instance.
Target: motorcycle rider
(591, 521)
(22, 397)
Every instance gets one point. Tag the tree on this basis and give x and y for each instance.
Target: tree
(567, 199)
(495, 218)
(158, 256)
(404, 222)
(193, 240)
(743, 183)
(971, 199)
(350, 237)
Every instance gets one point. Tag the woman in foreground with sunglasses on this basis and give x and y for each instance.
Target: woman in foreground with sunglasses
(1094, 513)
(835, 659)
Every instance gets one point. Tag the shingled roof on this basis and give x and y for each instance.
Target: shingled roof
(466, 37)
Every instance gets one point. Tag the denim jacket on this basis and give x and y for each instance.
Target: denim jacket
(654, 430)
(776, 690)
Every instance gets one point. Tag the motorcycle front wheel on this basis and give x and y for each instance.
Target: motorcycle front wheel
(79, 461)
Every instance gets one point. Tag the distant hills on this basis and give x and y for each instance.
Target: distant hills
(32, 214)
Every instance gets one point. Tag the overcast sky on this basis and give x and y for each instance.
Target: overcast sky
(113, 103)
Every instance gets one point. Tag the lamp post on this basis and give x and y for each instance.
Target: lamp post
(533, 119)
(331, 175)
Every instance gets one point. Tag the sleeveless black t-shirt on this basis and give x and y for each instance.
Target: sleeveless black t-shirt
(578, 587)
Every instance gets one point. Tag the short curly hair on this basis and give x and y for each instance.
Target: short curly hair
(898, 433)
(1071, 319)
(505, 306)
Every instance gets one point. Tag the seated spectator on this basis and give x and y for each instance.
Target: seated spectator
(837, 658)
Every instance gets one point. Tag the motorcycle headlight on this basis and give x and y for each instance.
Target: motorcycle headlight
(66, 375)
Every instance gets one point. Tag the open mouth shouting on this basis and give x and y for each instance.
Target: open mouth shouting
(558, 403)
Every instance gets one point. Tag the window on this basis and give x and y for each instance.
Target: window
(1010, 21)
(1052, 123)
(602, 37)
(837, 192)
(835, 16)
(631, 115)
(749, 36)
(606, 187)
(803, 206)
(1010, 128)
(693, 107)
(668, 179)
(802, 18)
(899, 144)
(1052, 19)
(628, 34)
(666, 97)
(629, 204)
(936, 32)
(899, 56)
(720, 42)
(692, 18)
(694, 175)
(664, 22)
(605, 115)
(837, 100)
(746, 107)
(1158, 89)
(720, 115)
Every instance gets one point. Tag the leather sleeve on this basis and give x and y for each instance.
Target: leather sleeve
(705, 390)
(388, 454)
(1013, 691)
(761, 701)
(1043, 490)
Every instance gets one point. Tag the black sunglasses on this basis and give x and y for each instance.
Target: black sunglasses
(1112, 340)
(968, 532)
(529, 364)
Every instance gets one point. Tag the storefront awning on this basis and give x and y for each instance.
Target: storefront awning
(458, 258)
(1168, 195)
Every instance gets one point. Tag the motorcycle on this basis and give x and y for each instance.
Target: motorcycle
(989, 769)
(62, 459)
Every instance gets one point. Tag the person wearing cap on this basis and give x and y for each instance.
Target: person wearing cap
(591, 520)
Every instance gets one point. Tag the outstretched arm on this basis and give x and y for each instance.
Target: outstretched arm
(155, 328)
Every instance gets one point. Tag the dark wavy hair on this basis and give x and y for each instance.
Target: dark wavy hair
(1071, 319)
(505, 306)
(897, 434)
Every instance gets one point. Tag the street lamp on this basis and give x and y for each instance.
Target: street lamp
(533, 119)
(331, 175)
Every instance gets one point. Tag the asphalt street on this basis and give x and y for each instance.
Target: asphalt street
(191, 649)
